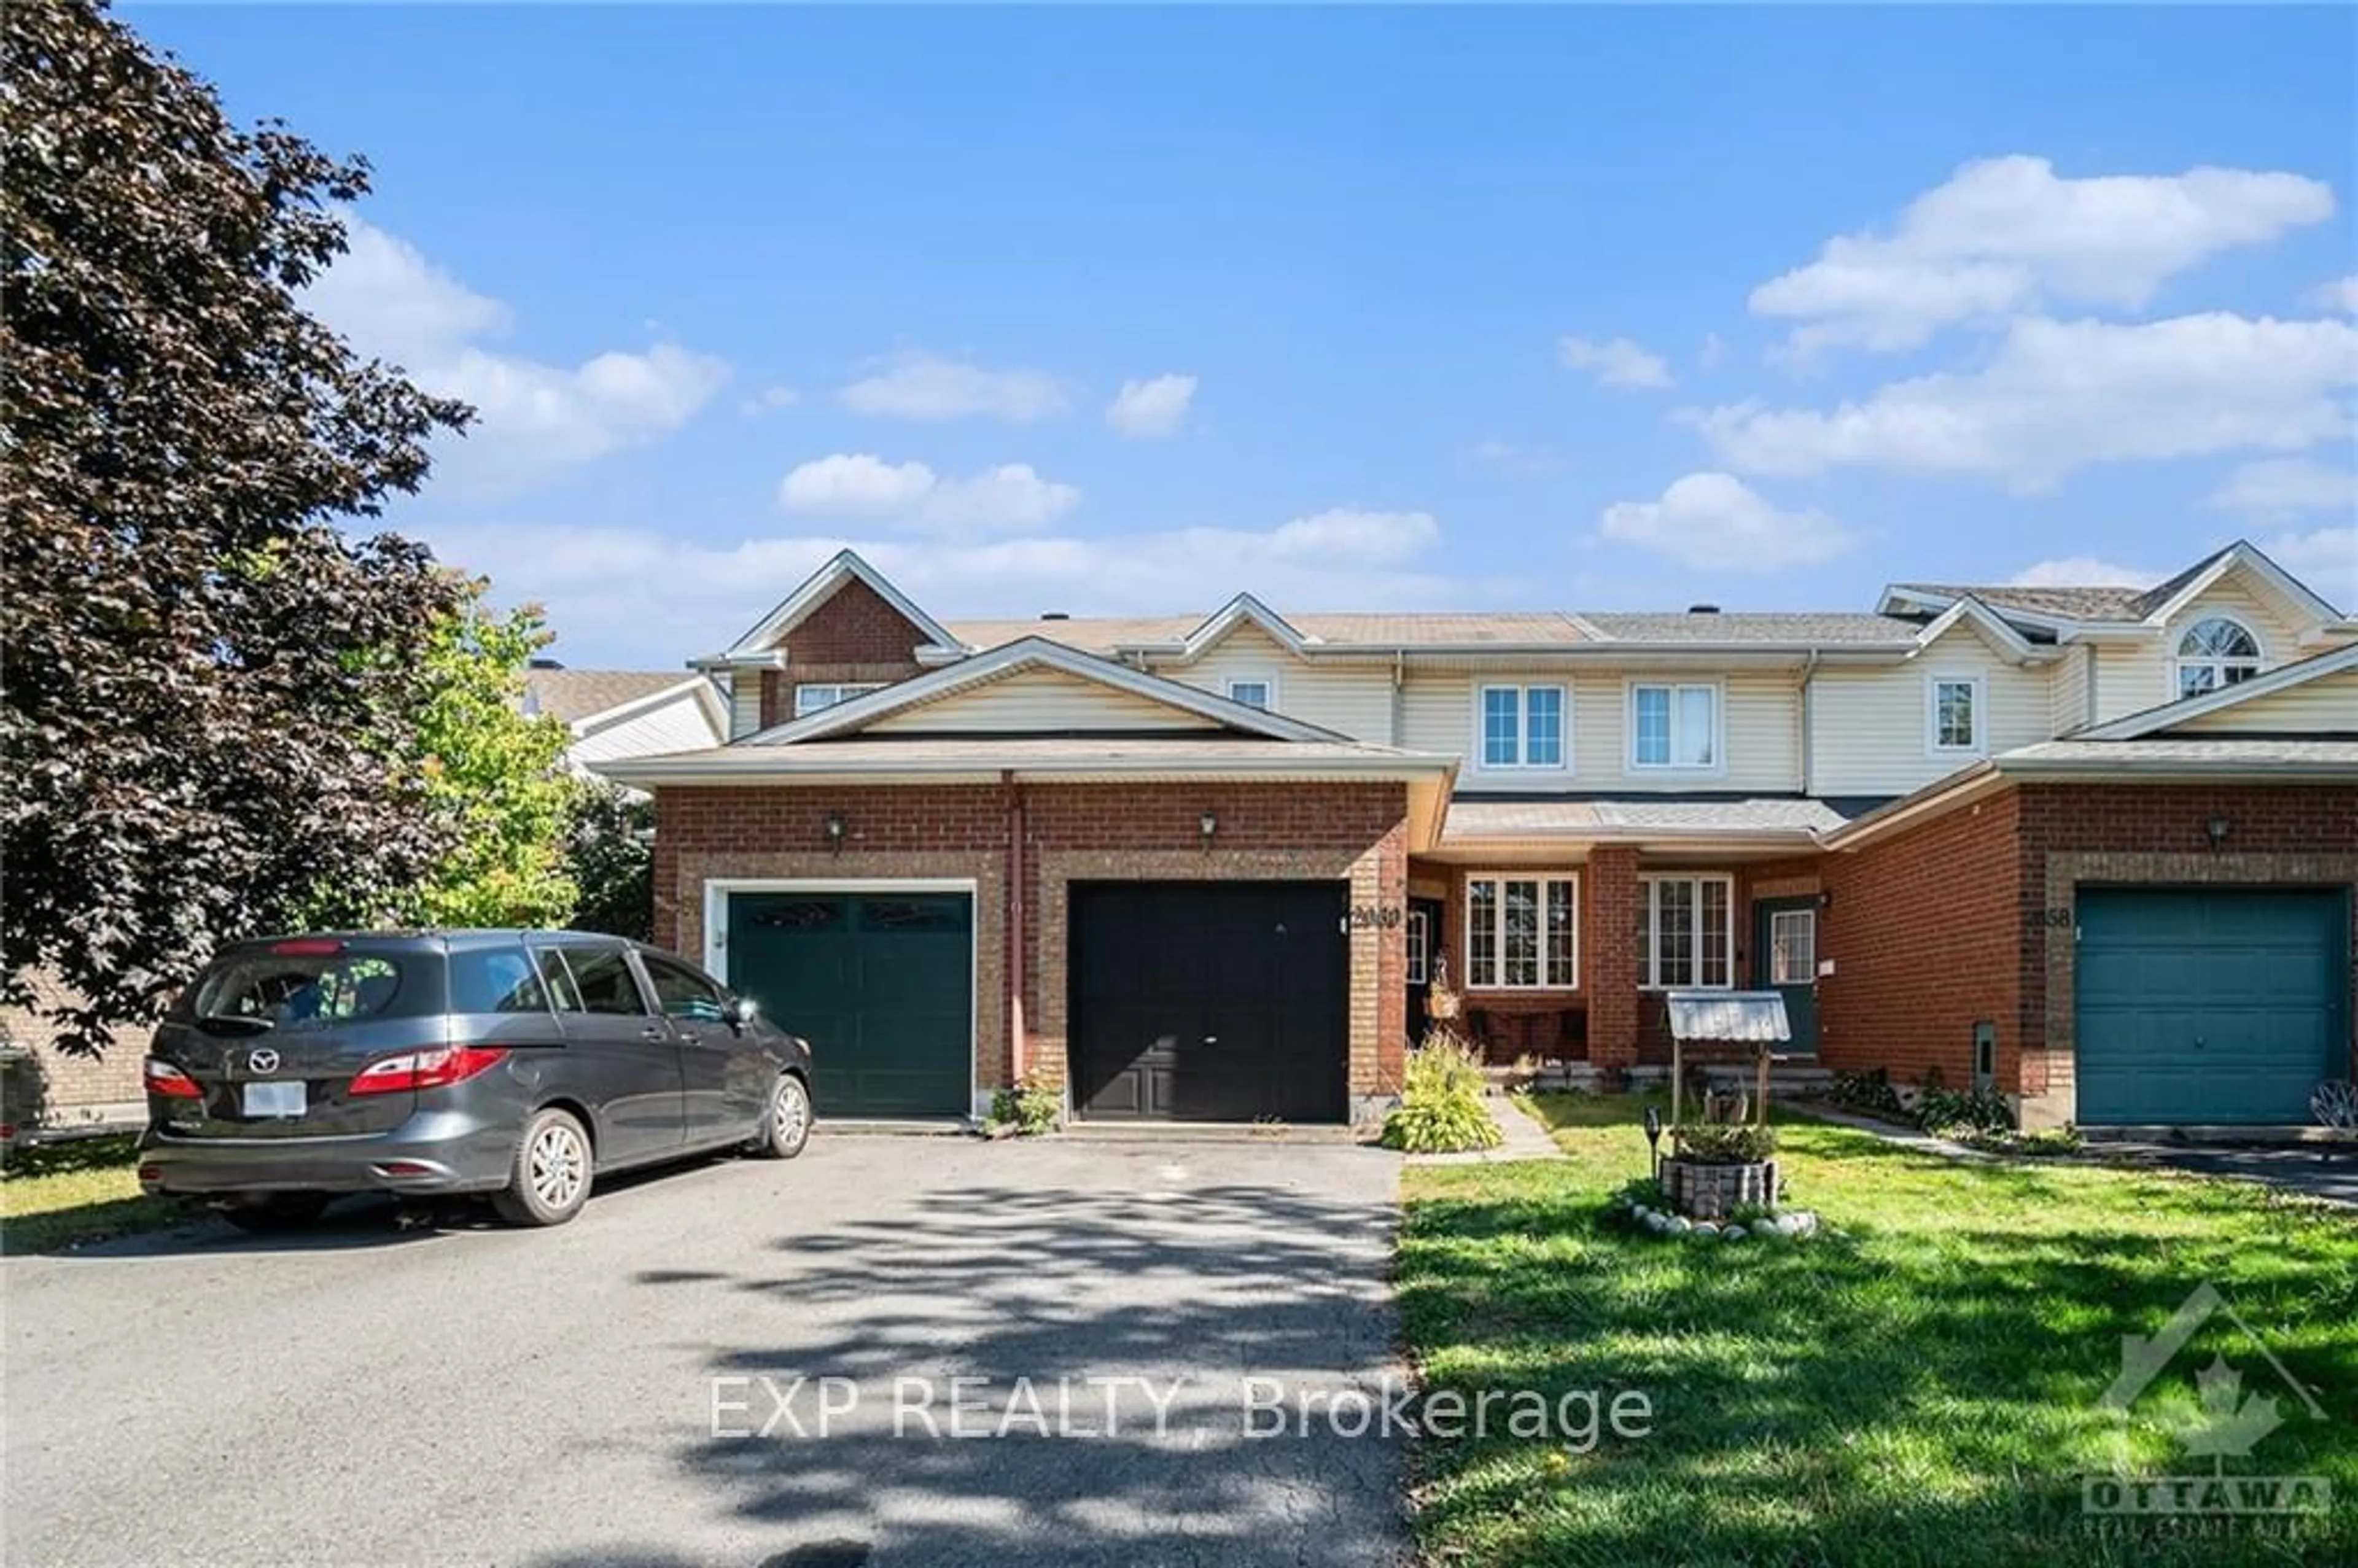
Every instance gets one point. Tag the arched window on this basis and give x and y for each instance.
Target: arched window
(2214, 654)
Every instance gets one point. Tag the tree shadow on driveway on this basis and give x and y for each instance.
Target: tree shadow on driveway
(836, 1440)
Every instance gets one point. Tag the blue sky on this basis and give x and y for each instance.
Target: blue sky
(1111, 311)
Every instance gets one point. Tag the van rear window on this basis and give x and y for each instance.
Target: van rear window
(302, 990)
(495, 980)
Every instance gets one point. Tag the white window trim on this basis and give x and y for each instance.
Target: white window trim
(1420, 947)
(1718, 689)
(2177, 633)
(1648, 958)
(1248, 677)
(1498, 931)
(1777, 917)
(1933, 681)
(844, 692)
(1522, 690)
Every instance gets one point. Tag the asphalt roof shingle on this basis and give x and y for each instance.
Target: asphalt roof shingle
(573, 695)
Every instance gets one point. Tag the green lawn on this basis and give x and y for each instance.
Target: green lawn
(1918, 1386)
(81, 1189)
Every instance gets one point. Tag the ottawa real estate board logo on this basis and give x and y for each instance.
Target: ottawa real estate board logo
(2230, 1417)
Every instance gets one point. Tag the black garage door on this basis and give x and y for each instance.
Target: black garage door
(1210, 1001)
(882, 984)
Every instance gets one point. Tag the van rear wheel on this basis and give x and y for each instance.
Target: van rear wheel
(550, 1179)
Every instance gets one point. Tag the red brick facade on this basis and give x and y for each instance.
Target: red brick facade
(1348, 832)
(856, 637)
(1969, 918)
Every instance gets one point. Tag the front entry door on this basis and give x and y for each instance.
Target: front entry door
(1426, 945)
(1785, 959)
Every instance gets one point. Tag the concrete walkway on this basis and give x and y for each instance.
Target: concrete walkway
(1525, 1139)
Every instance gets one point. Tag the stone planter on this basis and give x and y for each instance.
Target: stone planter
(1714, 1191)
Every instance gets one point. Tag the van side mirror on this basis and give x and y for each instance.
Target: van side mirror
(740, 1011)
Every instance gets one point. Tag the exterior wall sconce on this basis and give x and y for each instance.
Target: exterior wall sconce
(1826, 899)
(1208, 824)
(835, 831)
(2217, 828)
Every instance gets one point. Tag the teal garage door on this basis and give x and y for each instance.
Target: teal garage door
(2210, 1005)
(880, 984)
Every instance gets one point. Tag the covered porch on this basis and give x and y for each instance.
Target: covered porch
(1561, 926)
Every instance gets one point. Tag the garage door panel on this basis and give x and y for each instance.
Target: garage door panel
(2222, 1005)
(880, 984)
(1209, 1000)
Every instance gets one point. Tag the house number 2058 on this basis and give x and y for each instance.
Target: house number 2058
(1375, 917)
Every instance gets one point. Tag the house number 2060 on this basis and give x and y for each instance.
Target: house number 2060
(1375, 917)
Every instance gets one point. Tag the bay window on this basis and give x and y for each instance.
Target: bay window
(1521, 933)
(1688, 932)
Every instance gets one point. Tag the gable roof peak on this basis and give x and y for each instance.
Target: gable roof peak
(845, 565)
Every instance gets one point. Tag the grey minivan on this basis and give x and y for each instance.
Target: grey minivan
(510, 1064)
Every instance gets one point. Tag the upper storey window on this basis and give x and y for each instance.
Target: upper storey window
(1675, 725)
(811, 698)
(2216, 653)
(1257, 692)
(1522, 727)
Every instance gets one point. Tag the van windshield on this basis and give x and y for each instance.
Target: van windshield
(255, 991)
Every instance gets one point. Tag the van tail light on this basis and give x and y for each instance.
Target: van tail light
(430, 1069)
(163, 1078)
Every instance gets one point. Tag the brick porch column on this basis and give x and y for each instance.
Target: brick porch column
(1609, 956)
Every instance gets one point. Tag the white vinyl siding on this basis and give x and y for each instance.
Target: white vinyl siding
(2134, 676)
(2328, 705)
(2071, 690)
(1759, 725)
(1870, 726)
(680, 724)
(1354, 700)
(1038, 702)
(1523, 932)
(744, 703)
(1688, 932)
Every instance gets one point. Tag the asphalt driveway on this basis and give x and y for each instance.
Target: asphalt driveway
(623, 1390)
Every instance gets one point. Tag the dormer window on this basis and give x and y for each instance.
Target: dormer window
(2216, 653)
(1259, 691)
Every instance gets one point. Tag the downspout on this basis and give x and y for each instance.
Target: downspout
(1015, 905)
(1809, 674)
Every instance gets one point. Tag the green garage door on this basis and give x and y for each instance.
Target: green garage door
(880, 984)
(2210, 1005)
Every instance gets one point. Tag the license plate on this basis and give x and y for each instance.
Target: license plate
(274, 1098)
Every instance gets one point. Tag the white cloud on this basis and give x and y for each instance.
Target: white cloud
(2281, 486)
(592, 580)
(920, 387)
(2341, 294)
(1507, 455)
(1011, 498)
(532, 420)
(2083, 571)
(1619, 363)
(2326, 560)
(1715, 521)
(2008, 234)
(2059, 396)
(1148, 410)
(769, 400)
(855, 484)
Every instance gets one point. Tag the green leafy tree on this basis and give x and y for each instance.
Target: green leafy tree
(495, 773)
(211, 680)
(610, 855)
